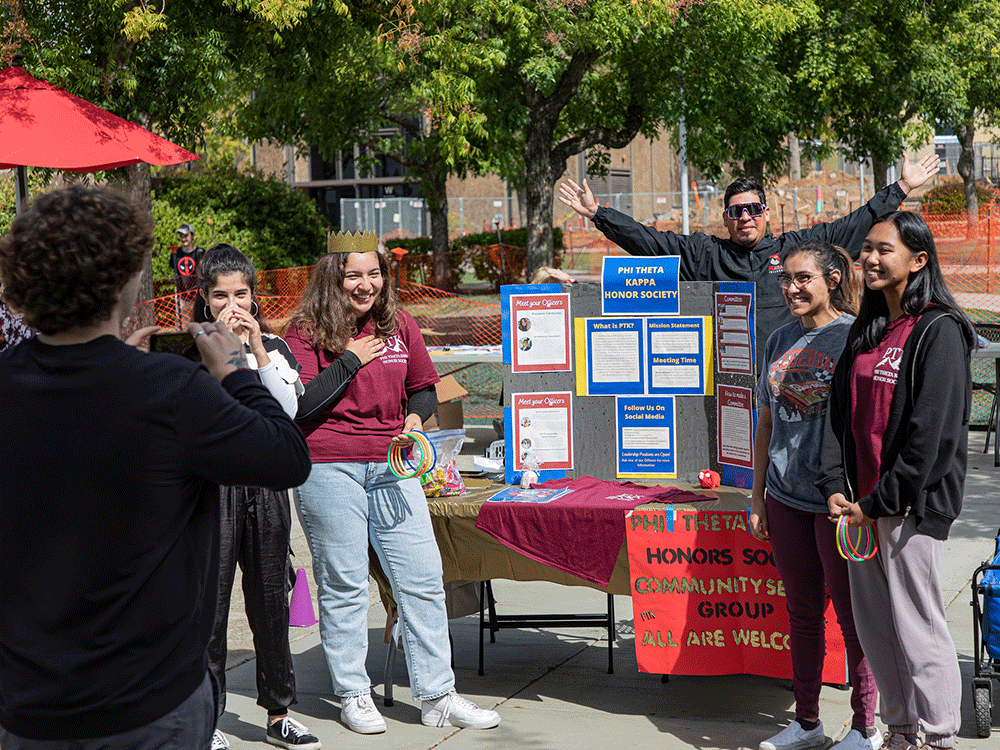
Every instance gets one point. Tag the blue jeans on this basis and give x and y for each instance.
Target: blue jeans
(344, 506)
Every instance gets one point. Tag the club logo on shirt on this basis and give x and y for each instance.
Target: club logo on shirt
(394, 351)
(774, 264)
(887, 370)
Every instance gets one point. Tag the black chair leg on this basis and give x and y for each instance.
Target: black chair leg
(492, 603)
(612, 634)
(390, 662)
(482, 605)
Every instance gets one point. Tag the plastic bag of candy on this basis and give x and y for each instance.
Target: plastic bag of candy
(444, 479)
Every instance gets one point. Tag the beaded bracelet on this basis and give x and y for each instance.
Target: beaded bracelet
(867, 541)
(398, 460)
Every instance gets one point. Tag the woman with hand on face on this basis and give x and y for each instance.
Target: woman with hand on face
(368, 379)
(256, 522)
(820, 288)
(894, 457)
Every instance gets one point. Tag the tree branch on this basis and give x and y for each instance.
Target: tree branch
(593, 136)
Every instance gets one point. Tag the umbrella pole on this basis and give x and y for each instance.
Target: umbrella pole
(21, 191)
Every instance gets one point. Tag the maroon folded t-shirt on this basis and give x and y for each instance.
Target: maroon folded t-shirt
(580, 533)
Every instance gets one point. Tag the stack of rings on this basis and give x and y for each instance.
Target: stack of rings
(867, 542)
(398, 460)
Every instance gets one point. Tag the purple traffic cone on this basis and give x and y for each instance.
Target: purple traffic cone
(300, 613)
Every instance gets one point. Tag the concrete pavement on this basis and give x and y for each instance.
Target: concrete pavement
(552, 688)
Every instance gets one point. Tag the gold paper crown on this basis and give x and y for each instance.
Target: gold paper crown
(352, 242)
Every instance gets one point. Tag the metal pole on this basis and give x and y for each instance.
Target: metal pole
(682, 140)
(21, 191)
(503, 261)
(989, 249)
(861, 182)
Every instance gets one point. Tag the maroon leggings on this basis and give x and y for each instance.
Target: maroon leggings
(805, 551)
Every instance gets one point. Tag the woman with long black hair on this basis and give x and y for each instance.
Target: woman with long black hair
(894, 458)
(256, 523)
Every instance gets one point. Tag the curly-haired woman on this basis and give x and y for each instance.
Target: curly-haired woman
(368, 379)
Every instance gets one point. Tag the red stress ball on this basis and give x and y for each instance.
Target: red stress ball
(709, 479)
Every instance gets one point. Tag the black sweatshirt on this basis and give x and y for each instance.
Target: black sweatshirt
(704, 257)
(109, 544)
(925, 446)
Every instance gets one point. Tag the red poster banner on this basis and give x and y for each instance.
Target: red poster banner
(707, 598)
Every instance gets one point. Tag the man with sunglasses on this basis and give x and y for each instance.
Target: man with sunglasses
(751, 252)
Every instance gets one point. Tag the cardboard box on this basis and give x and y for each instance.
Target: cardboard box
(448, 415)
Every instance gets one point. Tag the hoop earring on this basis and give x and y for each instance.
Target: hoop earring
(208, 314)
(256, 308)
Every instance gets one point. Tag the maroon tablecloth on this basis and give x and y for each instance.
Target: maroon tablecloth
(580, 533)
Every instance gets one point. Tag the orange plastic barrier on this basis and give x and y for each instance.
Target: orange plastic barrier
(971, 267)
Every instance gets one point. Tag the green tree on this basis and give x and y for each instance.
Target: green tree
(170, 71)
(578, 77)
(970, 42)
(274, 224)
(389, 78)
(734, 85)
(871, 71)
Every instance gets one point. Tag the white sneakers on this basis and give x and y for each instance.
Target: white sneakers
(219, 741)
(358, 713)
(455, 711)
(854, 740)
(794, 737)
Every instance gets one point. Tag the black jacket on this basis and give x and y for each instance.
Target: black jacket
(705, 257)
(109, 553)
(925, 446)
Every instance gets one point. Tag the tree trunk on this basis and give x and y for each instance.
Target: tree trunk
(879, 169)
(435, 189)
(538, 192)
(754, 168)
(794, 158)
(966, 132)
(137, 180)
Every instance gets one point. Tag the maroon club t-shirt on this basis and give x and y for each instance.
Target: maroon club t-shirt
(873, 381)
(360, 426)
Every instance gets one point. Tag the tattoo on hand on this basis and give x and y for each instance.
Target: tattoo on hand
(237, 358)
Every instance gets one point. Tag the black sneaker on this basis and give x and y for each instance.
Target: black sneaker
(289, 733)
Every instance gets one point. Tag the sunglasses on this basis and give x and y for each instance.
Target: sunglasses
(736, 210)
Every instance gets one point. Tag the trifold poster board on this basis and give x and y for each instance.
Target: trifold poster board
(637, 385)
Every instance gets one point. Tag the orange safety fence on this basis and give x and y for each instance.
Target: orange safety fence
(970, 263)
(444, 319)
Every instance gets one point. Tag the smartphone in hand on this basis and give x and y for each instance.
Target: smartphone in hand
(180, 343)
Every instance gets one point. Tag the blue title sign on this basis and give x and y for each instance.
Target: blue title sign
(640, 286)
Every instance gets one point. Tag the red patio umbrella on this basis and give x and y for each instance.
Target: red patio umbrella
(42, 125)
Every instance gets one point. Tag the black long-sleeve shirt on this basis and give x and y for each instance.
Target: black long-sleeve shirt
(704, 257)
(109, 544)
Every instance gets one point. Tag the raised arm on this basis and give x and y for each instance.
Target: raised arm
(850, 231)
